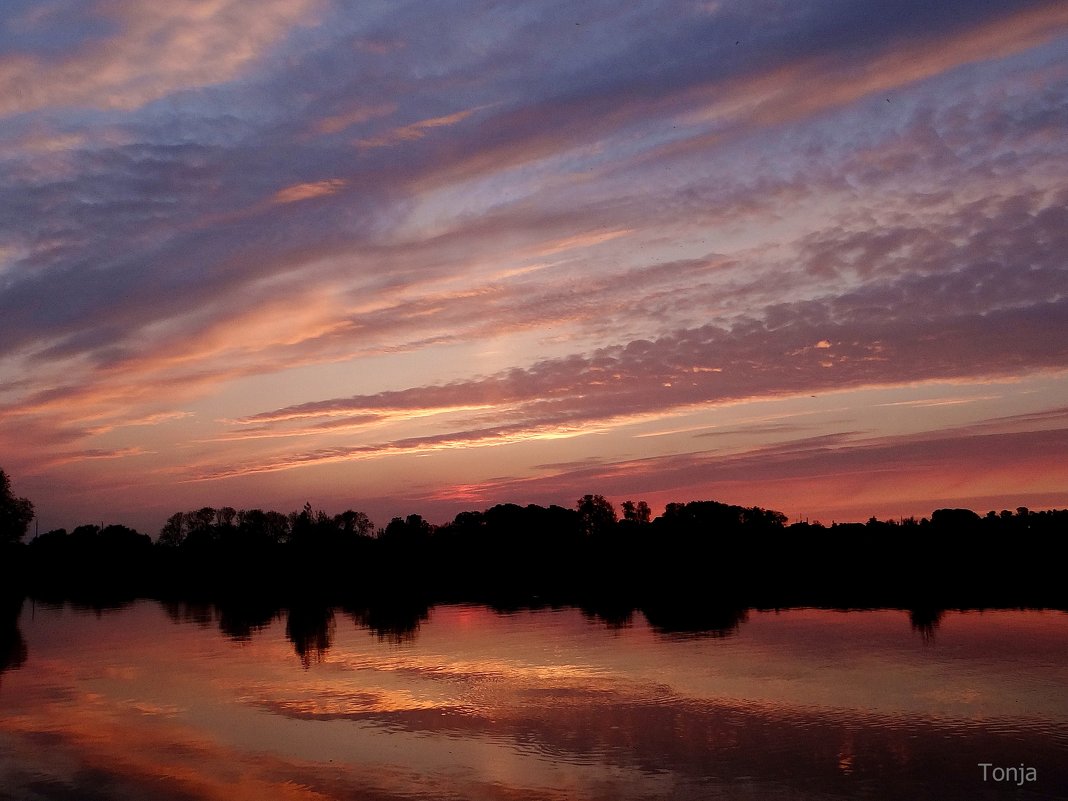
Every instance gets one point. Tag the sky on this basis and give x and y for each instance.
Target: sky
(429, 257)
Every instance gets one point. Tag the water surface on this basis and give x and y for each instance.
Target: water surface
(180, 702)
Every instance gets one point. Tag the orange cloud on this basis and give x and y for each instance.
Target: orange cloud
(585, 240)
(491, 437)
(417, 130)
(91, 455)
(292, 194)
(182, 360)
(339, 122)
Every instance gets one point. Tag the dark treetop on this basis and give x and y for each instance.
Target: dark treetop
(701, 554)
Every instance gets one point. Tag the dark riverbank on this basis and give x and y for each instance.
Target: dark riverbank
(695, 557)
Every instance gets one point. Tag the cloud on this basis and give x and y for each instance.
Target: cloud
(307, 191)
(1017, 30)
(189, 211)
(137, 53)
(88, 455)
(415, 130)
(337, 123)
(702, 367)
(227, 258)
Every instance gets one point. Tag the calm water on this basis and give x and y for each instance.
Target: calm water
(149, 702)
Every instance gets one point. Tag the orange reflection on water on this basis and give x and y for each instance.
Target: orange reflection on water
(552, 704)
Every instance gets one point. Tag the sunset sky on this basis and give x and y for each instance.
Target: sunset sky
(427, 257)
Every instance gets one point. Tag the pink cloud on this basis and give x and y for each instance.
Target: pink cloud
(157, 49)
(415, 130)
(308, 191)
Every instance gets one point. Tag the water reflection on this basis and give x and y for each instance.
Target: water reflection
(309, 626)
(463, 702)
(925, 621)
(201, 613)
(703, 621)
(12, 645)
(240, 618)
(311, 630)
(614, 616)
(396, 621)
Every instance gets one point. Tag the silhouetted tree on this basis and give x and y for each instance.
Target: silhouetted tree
(759, 519)
(15, 513)
(84, 537)
(276, 526)
(50, 540)
(597, 513)
(172, 535)
(352, 522)
(699, 555)
(202, 519)
(124, 538)
(226, 515)
(302, 524)
(637, 512)
(954, 519)
(201, 534)
(409, 531)
(252, 524)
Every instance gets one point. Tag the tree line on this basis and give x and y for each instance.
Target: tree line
(695, 555)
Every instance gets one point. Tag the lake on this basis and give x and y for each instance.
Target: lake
(180, 701)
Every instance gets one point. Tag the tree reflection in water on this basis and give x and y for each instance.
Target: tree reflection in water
(12, 645)
(925, 621)
(311, 630)
(395, 621)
